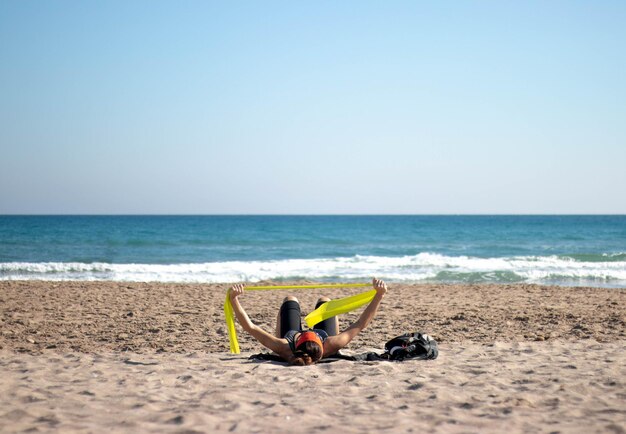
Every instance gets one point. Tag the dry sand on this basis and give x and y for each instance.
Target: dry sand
(126, 357)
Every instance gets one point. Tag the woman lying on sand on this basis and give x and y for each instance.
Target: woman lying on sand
(299, 347)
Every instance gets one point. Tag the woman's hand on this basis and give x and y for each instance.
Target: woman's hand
(380, 286)
(236, 290)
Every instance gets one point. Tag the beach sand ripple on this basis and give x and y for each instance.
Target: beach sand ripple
(98, 357)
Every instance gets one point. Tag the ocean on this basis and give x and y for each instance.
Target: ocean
(563, 250)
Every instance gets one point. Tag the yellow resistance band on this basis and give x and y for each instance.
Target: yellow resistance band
(325, 311)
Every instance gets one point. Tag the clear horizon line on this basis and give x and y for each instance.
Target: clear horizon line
(297, 214)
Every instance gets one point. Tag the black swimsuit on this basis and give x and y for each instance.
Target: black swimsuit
(290, 324)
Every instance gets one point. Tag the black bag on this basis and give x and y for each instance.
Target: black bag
(412, 346)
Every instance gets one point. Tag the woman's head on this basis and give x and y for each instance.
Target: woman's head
(309, 349)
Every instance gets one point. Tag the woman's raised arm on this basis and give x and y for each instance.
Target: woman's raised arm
(335, 343)
(267, 340)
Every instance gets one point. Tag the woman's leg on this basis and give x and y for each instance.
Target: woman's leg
(329, 325)
(288, 316)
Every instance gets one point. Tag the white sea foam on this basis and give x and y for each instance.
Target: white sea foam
(421, 267)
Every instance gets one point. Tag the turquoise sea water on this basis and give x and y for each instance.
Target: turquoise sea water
(569, 250)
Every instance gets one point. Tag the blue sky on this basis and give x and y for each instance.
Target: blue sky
(312, 107)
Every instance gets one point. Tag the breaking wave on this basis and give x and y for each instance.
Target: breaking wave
(423, 267)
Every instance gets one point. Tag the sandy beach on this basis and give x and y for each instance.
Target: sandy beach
(129, 357)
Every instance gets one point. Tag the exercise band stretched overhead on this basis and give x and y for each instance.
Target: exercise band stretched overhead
(325, 311)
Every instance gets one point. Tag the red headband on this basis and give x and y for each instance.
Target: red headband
(309, 336)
